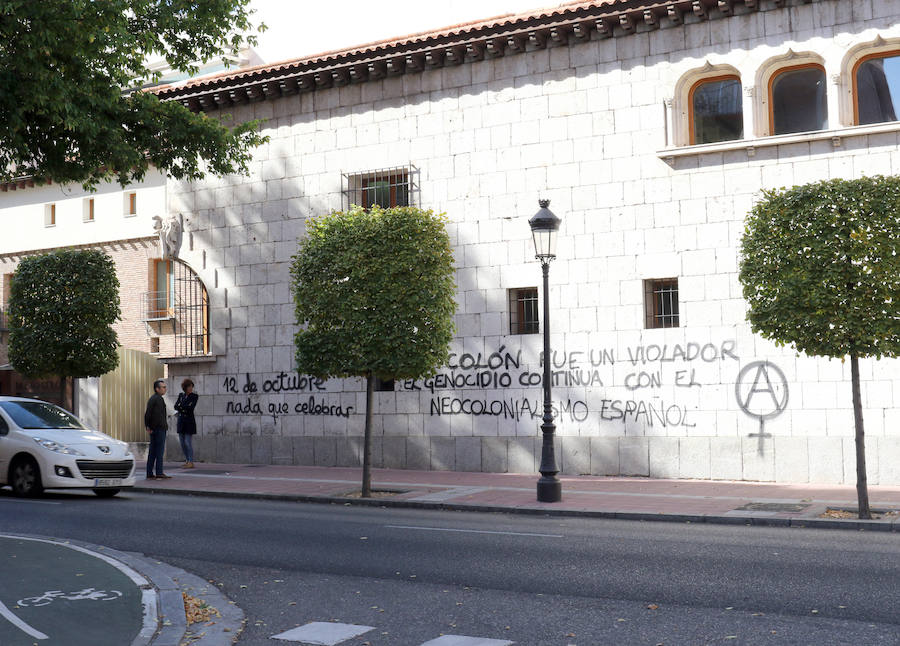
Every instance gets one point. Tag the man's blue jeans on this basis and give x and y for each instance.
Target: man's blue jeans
(187, 446)
(156, 452)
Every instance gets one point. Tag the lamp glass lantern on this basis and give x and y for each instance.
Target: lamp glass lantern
(544, 227)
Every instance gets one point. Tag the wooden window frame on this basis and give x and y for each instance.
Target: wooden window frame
(88, 213)
(771, 86)
(50, 214)
(690, 101)
(854, 85)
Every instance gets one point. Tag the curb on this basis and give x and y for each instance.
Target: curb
(808, 523)
(171, 627)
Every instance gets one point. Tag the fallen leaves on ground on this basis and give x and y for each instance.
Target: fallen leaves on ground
(197, 610)
(850, 514)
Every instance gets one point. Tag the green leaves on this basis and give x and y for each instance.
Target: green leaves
(374, 291)
(820, 267)
(66, 67)
(61, 310)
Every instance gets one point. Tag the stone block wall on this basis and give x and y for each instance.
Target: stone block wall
(590, 126)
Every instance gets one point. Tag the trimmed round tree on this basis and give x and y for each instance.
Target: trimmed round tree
(374, 295)
(62, 307)
(820, 268)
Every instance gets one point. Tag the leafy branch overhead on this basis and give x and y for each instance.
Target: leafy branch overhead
(66, 111)
(62, 308)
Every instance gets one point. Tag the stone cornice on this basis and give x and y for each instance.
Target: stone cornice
(572, 23)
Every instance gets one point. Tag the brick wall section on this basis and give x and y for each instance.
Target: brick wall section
(132, 260)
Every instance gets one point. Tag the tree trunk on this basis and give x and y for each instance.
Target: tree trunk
(367, 439)
(862, 485)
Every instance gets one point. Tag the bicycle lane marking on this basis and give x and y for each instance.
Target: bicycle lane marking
(149, 623)
(7, 614)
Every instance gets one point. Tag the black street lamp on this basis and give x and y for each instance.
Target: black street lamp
(544, 226)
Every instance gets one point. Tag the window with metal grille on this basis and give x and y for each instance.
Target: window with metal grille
(661, 302)
(523, 311)
(387, 187)
(179, 299)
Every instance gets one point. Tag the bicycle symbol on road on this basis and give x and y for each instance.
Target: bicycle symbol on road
(88, 593)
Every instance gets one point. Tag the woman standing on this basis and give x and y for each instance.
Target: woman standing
(187, 425)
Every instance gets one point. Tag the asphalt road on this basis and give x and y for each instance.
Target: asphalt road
(413, 575)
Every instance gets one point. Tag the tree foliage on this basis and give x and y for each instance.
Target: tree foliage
(820, 268)
(65, 110)
(61, 310)
(375, 291)
(374, 294)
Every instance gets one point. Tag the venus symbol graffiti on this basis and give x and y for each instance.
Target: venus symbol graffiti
(761, 390)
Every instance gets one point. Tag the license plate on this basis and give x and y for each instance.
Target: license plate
(107, 482)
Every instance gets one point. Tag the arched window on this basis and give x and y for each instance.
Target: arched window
(876, 88)
(176, 309)
(716, 110)
(797, 100)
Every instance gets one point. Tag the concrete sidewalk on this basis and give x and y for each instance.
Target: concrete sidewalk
(731, 502)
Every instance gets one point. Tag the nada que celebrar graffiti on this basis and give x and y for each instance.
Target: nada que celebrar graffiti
(281, 383)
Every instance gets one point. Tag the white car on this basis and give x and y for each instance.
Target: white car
(44, 447)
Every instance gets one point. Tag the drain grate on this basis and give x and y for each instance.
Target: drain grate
(772, 506)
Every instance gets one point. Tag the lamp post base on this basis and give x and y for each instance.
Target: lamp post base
(549, 489)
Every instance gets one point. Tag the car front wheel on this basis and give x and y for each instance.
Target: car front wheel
(25, 477)
(106, 493)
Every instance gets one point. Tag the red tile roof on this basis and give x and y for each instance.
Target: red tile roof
(448, 45)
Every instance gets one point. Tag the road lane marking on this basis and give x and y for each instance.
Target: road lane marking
(323, 633)
(472, 531)
(33, 502)
(18, 623)
(462, 640)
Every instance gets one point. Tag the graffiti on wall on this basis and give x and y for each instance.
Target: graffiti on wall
(637, 385)
(761, 390)
(647, 369)
(288, 383)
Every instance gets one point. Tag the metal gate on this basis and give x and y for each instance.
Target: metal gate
(124, 393)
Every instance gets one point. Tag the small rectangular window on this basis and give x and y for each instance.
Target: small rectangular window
(88, 209)
(661, 302)
(130, 204)
(388, 187)
(49, 215)
(384, 385)
(523, 311)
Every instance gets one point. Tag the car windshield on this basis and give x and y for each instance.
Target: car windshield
(38, 414)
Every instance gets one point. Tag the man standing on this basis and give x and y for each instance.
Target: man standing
(157, 425)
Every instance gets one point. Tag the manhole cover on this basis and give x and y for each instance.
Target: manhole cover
(772, 506)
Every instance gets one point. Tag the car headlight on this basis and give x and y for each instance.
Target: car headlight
(56, 447)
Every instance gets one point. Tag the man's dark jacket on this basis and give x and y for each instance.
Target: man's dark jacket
(155, 415)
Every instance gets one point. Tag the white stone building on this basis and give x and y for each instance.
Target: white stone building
(652, 130)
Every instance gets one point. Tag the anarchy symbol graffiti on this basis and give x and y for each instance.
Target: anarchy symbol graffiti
(761, 390)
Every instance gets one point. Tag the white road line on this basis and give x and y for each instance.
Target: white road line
(18, 623)
(32, 502)
(463, 640)
(472, 531)
(323, 633)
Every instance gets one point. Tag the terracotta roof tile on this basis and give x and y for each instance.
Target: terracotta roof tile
(500, 22)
